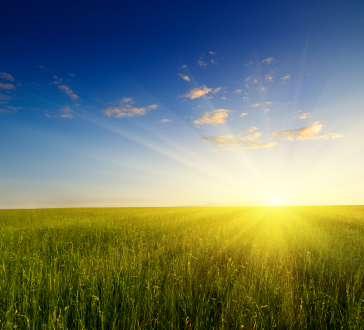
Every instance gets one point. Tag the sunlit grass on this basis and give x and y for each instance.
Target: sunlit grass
(178, 268)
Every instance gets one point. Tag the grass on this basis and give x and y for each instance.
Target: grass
(182, 268)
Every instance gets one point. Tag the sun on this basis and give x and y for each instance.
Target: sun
(276, 201)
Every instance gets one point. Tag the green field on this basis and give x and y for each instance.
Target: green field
(182, 268)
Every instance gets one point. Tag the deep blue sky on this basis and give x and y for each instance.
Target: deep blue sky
(94, 109)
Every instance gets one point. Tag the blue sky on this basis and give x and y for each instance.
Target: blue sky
(168, 104)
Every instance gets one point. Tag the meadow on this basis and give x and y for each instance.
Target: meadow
(182, 268)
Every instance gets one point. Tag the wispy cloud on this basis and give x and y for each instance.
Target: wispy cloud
(71, 74)
(245, 98)
(268, 60)
(249, 63)
(304, 115)
(66, 112)
(127, 110)
(218, 116)
(201, 63)
(126, 100)
(286, 77)
(8, 109)
(14, 108)
(262, 88)
(247, 79)
(165, 121)
(249, 142)
(269, 103)
(257, 145)
(187, 78)
(266, 110)
(184, 66)
(238, 91)
(307, 133)
(7, 86)
(243, 114)
(269, 77)
(57, 80)
(213, 62)
(256, 105)
(198, 92)
(223, 98)
(4, 98)
(212, 53)
(69, 92)
(6, 76)
(248, 129)
(216, 90)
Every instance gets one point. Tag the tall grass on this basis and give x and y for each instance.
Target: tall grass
(182, 268)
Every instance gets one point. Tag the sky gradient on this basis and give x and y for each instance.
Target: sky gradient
(177, 104)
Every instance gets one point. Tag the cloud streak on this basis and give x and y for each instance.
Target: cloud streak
(7, 86)
(69, 92)
(126, 110)
(6, 76)
(307, 133)
(248, 142)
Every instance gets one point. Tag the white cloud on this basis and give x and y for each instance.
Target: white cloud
(6, 76)
(165, 121)
(212, 53)
(153, 106)
(249, 63)
(269, 78)
(245, 98)
(184, 66)
(238, 91)
(216, 90)
(269, 103)
(201, 63)
(7, 86)
(307, 133)
(266, 110)
(247, 86)
(247, 79)
(223, 98)
(198, 92)
(268, 60)
(69, 92)
(255, 80)
(256, 105)
(71, 74)
(262, 88)
(243, 114)
(286, 77)
(218, 116)
(213, 62)
(304, 115)
(184, 77)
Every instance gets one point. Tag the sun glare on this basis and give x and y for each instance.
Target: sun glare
(276, 201)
